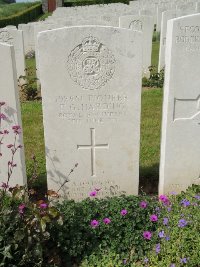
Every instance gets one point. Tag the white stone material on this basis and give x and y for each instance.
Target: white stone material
(15, 37)
(166, 15)
(91, 91)
(180, 152)
(144, 24)
(28, 36)
(9, 95)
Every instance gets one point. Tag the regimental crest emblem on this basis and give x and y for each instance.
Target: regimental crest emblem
(5, 37)
(91, 64)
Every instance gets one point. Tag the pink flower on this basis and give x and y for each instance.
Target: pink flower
(3, 116)
(4, 185)
(163, 198)
(123, 212)
(154, 218)
(106, 220)
(16, 129)
(2, 103)
(6, 132)
(9, 146)
(21, 208)
(94, 223)
(93, 194)
(147, 235)
(143, 204)
(43, 205)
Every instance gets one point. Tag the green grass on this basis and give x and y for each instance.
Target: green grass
(155, 54)
(7, 10)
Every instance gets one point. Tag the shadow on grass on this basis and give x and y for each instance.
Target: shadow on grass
(149, 177)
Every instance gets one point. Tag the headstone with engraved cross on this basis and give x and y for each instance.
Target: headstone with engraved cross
(180, 150)
(91, 90)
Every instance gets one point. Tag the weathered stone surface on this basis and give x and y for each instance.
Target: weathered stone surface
(145, 25)
(91, 90)
(9, 95)
(180, 153)
(15, 38)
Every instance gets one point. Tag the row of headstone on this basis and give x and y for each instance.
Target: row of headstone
(10, 35)
(91, 90)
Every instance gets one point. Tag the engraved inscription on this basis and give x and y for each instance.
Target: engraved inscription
(136, 25)
(5, 37)
(92, 147)
(91, 64)
(190, 36)
(92, 108)
(105, 188)
(187, 109)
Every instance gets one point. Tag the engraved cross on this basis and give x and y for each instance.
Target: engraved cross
(93, 148)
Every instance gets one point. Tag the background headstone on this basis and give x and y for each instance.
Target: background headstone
(145, 25)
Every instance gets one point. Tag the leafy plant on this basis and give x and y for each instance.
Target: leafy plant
(28, 85)
(156, 78)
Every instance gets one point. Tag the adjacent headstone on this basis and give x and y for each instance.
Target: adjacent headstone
(11, 109)
(15, 37)
(28, 36)
(91, 90)
(144, 24)
(166, 15)
(180, 152)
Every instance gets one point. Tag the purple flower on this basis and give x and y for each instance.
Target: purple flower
(123, 212)
(197, 197)
(173, 265)
(94, 223)
(106, 220)
(169, 209)
(165, 221)
(93, 193)
(167, 238)
(157, 248)
(173, 193)
(146, 260)
(124, 261)
(153, 218)
(185, 202)
(182, 223)
(147, 235)
(143, 204)
(183, 260)
(161, 234)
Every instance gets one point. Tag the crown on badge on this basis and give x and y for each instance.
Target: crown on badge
(90, 44)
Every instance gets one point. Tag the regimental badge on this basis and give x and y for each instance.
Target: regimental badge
(91, 64)
(5, 37)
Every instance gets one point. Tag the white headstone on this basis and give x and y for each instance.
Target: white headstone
(9, 95)
(145, 25)
(28, 35)
(91, 90)
(180, 152)
(15, 37)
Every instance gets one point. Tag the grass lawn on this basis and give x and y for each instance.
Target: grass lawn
(150, 133)
(7, 10)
